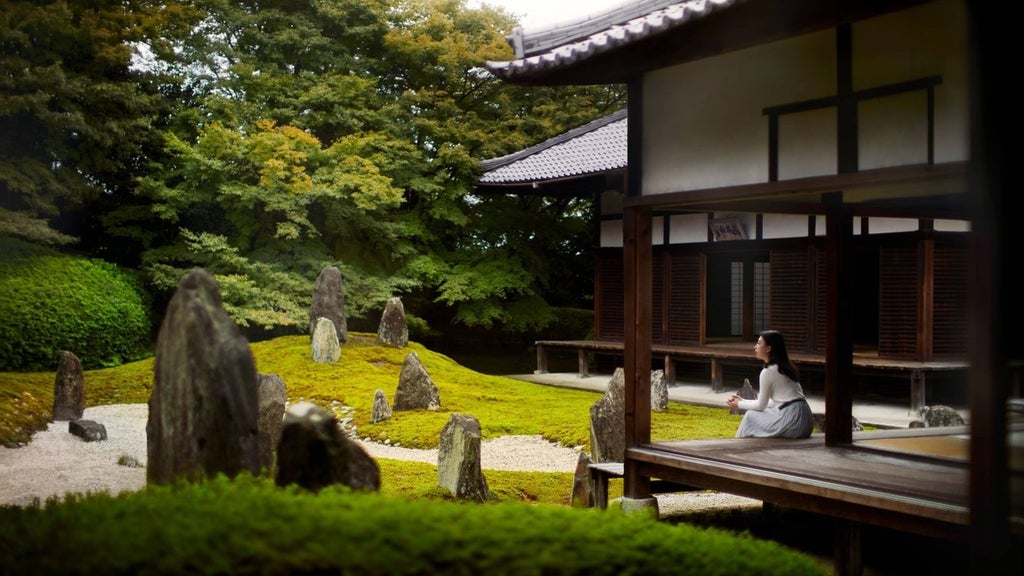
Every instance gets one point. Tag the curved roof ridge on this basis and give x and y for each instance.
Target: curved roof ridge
(556, 51)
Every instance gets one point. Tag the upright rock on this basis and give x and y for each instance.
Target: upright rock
(659, 391)
(329, 302)
(416, 391)
(458, 459)
(381, 410)
(68, 388)
(325, 346)
(582, 484)
(607, 422)
(393, 329)
(315, 453)
(203, 410)
(273, 397)
(746, 392)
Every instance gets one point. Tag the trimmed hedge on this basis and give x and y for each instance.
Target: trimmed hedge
(51, 302)
(250, 526)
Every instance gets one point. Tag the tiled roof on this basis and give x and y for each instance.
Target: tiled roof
(552, 47)
(599, 146)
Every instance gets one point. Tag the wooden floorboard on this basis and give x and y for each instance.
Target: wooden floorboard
(918, 492)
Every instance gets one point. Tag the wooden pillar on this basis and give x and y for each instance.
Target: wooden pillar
(838, 329)
(542, 360)
(637, 263)
(994, 311)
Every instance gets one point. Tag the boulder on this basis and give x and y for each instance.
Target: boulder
(659, 391)
(458, 459)
(582, 484)
(393, 329)
(314, 453)
(416, 391)
(203, 410)
(326, 347)
(938, 416)
(746, 392)
(329, 302)
(68, 388)
(607, 419)
(273, 398)
(88, 430)
(381, 409)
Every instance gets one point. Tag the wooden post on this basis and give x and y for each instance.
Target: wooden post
(581, 357)
(542, 360)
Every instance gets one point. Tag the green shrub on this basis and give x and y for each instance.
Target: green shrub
(51, 302)
(249, 526)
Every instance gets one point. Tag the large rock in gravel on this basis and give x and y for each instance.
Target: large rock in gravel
(203, 411)
(607, 419)
(325, 346)
(273, 398)
(68, 388)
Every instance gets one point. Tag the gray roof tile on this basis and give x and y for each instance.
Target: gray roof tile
(599, 146)
(552, 47)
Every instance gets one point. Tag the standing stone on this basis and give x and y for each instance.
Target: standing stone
(458, 459)
(315, 453)
(747, 393)
(608, 420)
(203, 410)
(329, 302)
(272, 400)
(582, 484)
(393, 330)
(416, 391)
(325, 344)
(68, 388)
(659, 391)
(381, 410)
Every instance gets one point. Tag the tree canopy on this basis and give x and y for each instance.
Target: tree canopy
(266, 139)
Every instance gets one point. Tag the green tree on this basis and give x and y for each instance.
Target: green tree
(75, 119)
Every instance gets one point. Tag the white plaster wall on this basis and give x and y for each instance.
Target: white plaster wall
(688, 228)
(952, 225)
(704, 126)
(703, 121)
(906, 45)
(783, 226)
(891, 225)
(611, 233)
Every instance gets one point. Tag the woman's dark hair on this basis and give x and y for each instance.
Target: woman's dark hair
(778, 354)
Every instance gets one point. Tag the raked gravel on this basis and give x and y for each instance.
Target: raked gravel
(57, 462)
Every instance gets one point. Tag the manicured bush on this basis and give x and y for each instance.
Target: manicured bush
(51, 302)
(249, 526)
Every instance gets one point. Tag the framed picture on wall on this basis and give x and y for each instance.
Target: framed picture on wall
(727, 229)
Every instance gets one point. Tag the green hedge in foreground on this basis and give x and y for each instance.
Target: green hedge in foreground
(249, 526)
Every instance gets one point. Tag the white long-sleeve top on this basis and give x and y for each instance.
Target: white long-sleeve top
(774, 388)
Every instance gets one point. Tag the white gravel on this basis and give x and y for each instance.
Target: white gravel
(57, 462)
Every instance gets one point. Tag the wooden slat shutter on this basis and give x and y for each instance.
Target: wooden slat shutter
(898, 304)
(791, 298)
(685, 299)
(820, 290)
(658, 297)
(609, 314)
(949, 332)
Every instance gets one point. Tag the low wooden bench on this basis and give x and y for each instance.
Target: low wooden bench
(716, 355)
(602, 472)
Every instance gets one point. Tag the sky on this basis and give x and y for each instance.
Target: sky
(533, 13)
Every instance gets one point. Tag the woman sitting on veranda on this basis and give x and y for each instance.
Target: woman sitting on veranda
(780, 409)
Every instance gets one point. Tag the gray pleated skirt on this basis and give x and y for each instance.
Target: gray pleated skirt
(792, 421)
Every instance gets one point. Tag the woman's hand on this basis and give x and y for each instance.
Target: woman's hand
(733, 400)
